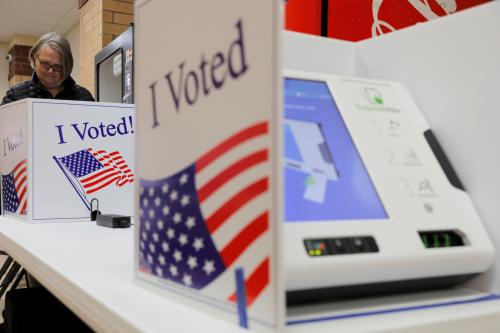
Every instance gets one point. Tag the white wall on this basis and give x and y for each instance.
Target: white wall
(4, 70)
(73, 36)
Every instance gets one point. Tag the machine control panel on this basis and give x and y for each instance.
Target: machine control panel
(341, 245)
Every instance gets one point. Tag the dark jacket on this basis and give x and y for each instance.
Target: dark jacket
(33, 89)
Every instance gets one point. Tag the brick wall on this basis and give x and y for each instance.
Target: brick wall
(19, 68)
(101, 21)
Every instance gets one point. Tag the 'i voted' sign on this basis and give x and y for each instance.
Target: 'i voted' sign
(207, 100)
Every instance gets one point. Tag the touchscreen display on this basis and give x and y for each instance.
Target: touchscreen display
(325, 178)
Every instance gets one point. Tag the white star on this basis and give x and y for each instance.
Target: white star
(157, 201)
(192, 262)
(151, 191)
(173, 270)
(187, 280)
(156, 237)
(159, 271)
(170, 233)
(183, 239)
(164, 188)
(161, 259)
(147, 225)
(144, 235)
(198, 244)
(184, 178)
(209, 267)
(185, 200)
(145, 202)
(166, 210)
(177, 255)
(165, 246)
(141, 212)
(150, 258)
(174, 195)
(177, 218)
(142, 246)
(190, 222)
(151, 213)
(160, 224)
(152, 248)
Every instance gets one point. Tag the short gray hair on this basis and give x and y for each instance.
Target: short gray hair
(58, 44)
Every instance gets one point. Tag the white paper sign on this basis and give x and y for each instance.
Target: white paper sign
(207, 98)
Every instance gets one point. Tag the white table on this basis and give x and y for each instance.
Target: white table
(90, 269)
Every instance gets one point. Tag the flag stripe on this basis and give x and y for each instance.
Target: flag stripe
(21, 195)
(19, 174)
(21, 182)
(233, 141)
(95, 175)
(256, 283)
(100, 180)
(20, 164)
(103, 185)
(231, 172)
(244, 239)
(235, 203)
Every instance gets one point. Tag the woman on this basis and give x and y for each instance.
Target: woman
(52, 62)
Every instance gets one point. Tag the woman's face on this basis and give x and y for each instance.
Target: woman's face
(48, 67)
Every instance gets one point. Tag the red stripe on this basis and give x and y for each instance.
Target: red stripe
(102, 186)
(239, 200)
(23, 179)
(18, 166)
(256, 283)
(114, 153)
(100, 180)
(21, 173)
(236, 139)
(244, 239)
(23, 209)
(121, 162)
(96, 175)
(21, 196)
(230, 172)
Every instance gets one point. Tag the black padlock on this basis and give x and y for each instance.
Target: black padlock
(94, 213)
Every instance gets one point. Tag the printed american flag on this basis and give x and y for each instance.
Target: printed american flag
(15, 189)
(91, 170)
(209, 217)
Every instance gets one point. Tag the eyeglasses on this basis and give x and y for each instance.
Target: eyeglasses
(46, 66)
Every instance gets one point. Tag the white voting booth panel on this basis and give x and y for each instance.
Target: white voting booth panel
(206, 198)
(59, 155)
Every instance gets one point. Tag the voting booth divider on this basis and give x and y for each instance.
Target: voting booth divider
(59, 155)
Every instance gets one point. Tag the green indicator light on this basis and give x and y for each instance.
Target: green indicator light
(447, 240)
(426, 242)
(311, 253)
(318, 252)
(436, 240)
(379, 100)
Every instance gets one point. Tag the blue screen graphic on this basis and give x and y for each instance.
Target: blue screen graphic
(325, 178)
